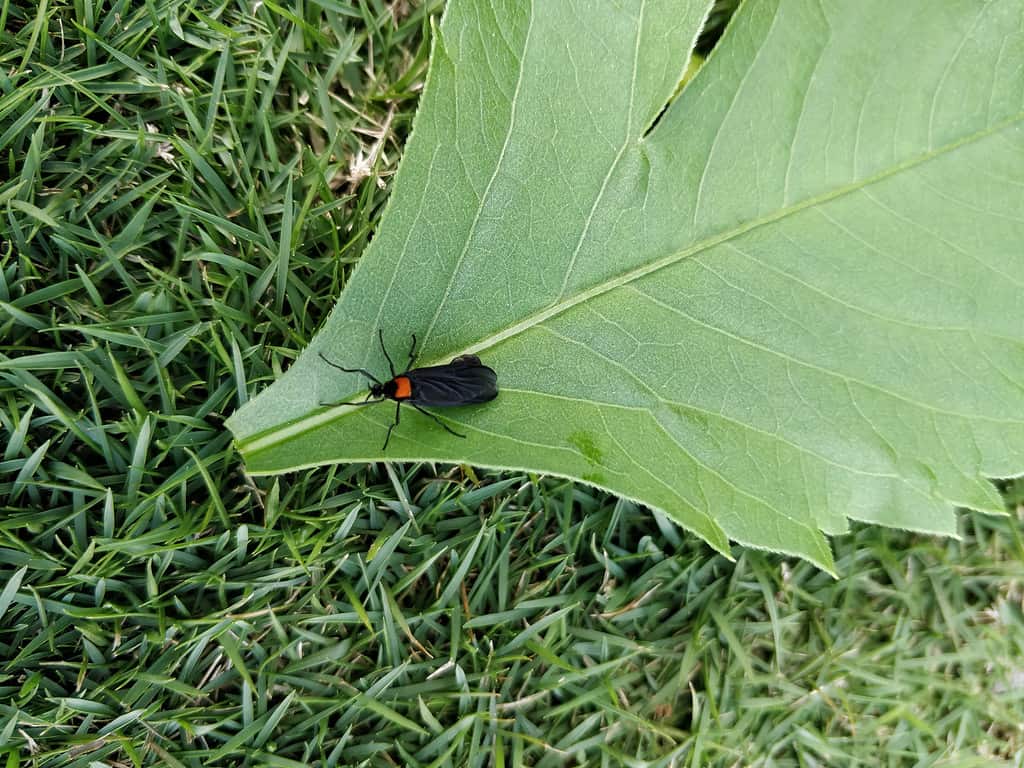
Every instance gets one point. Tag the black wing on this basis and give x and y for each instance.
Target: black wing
(464, 381)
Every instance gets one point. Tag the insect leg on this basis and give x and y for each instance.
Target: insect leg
(363, 371)
(398, 415)
(367, 401)
(391, 365)
(428, 413)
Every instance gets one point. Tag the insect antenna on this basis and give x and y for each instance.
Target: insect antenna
(363, 371)
(391, 365)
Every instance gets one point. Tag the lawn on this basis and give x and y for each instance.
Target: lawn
(159, 606)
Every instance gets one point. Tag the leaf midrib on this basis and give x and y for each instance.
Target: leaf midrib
(730, 234)
(275, 436)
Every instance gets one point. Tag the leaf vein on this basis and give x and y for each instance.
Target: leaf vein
(494, 175)
(826, 371)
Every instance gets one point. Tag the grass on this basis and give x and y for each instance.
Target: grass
(185, 186)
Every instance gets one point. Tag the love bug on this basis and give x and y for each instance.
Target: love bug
(463, 381)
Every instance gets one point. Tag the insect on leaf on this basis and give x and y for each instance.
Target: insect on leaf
(793, 300)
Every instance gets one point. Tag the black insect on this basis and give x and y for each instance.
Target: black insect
(463, 381)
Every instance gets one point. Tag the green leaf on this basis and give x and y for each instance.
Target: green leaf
(794, 301)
